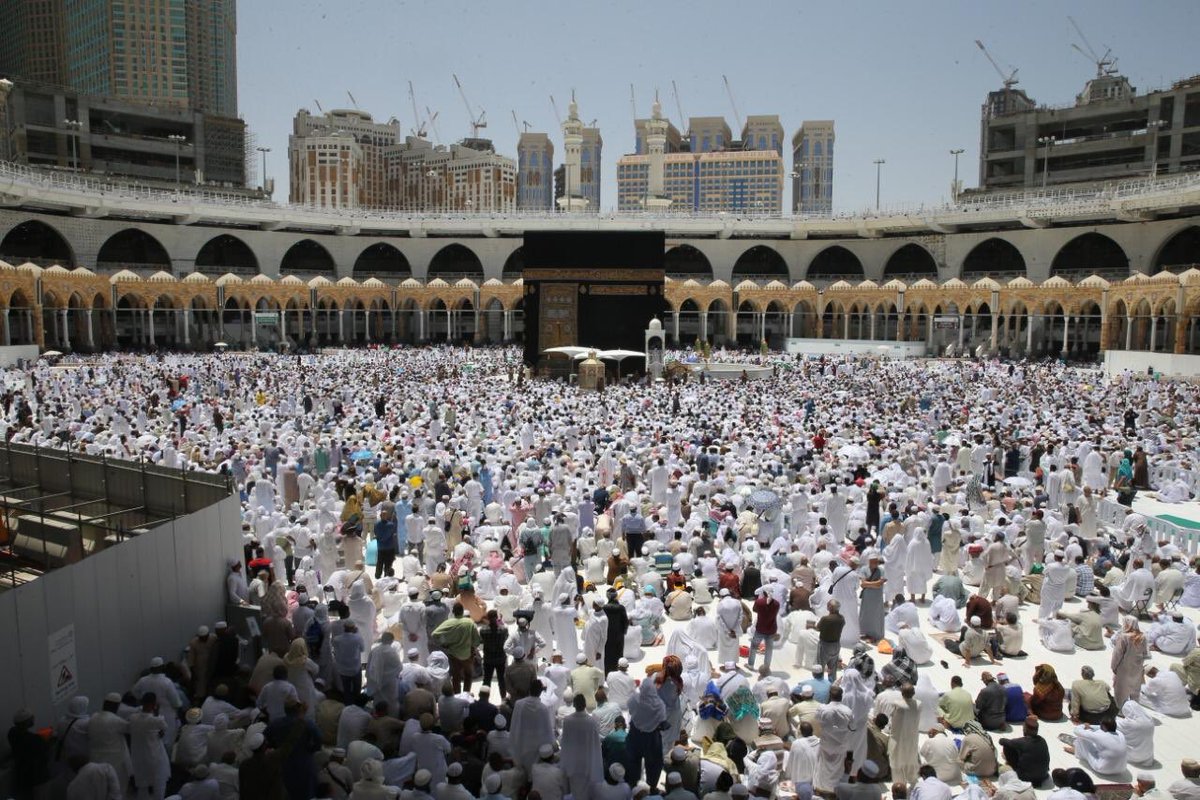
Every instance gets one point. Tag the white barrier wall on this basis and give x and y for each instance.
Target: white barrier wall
(1117, 361)
(129, 603)
(10, 353)
(860, 347)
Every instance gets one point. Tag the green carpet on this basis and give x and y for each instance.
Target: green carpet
(1180, 521)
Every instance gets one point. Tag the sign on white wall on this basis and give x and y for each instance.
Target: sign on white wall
(64, 678)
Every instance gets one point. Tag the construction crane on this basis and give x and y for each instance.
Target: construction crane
(432, 116)
(632, 101)
(477, 122)
(420, 130)
(318, 102)
(518, 125)
(353, 102)
(557, 115)
(1010, 80)
(678, 106)
(736, 114)
(1104, 64)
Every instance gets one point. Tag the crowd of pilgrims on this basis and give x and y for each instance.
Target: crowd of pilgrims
(475, 584)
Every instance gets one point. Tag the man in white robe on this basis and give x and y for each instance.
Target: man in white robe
(729, 627)
(532, 726)
(905, 720)
(1138, 587)
(843, 587)
(801, 766)
(1101, 749)
(836, 721)
(620, 686)
(1165, 693)
(581, 760)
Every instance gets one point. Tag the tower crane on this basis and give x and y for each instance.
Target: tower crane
(678, 106)
(420, 130)
(1010, 80)
(1104, 64)
(557, 115)
(433, 115)
(632, 101)
(736, 114)
(477, 122)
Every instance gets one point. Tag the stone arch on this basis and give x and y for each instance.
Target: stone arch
(760, 261)
(226, 253)
(307, 255)
(382, 258)
(685, 261)
(689, 321)
(804, 320)
(835, 262)
(456, 260)
(1089, 253)
(910, 259)
(38, 242)
(133, 247)
(720, 321)
(514, 265)
(1180, 251)
(994, 256)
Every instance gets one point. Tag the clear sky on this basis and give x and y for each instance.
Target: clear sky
(904, 81)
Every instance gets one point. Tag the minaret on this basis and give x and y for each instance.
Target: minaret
(656, 148)
(572, 128)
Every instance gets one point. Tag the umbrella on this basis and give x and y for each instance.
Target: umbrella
(567, 350)
(762, 500)
(359, 455)
(52, 354)
(177, 403)
(220, 344)
(953, 440)
(619, 356)
(1017, 482)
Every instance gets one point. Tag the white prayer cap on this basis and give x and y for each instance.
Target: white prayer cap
(580, 658)
(976, 621)
(413, 652)
(729, 666)
(724, 593)
(622, 662)
(422, 777)
(870, 769)
(254, 741)
(454, 770)
(221, 625)
(674, 778)
(413, 591)
(193, 715)
(202, 630)
(491, 784)
(518, 652)
(739, 790)
(112, 697)
(678, 753)
(499, 722)
(806, 690)
(1145, 777)
(615, 770)
(156, 662)
(545, 751)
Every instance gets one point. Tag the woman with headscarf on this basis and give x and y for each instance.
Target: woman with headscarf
(918, 564)
(302, 672)
(951, 545)
(1138, 727)
(438, 669)
(859, 697)
(670, 688)
(714, 759)
(307, 576)
(275, 603)
(1046, 699)
(1009, 786)
(1129, 652)
(895, 571)
(362, 612)
(1123, 482)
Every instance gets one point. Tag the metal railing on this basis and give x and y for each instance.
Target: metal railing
(1051, 202)
(58, 506)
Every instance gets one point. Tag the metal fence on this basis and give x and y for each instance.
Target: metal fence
(58, 507)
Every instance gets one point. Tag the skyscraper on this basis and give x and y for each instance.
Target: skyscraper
(535, 172)
(812, 168)
(164, 53)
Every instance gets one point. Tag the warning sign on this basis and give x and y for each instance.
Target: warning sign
(64, 681)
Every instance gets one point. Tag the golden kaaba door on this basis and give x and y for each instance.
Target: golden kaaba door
(558, 309)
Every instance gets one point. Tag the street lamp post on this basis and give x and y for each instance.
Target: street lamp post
(879, 162)
(798, 174)
(75, 125)
(956, 152)
(178, 140)
(1048, 143)
(264, 151)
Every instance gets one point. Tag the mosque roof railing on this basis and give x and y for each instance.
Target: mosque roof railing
(1121, 200)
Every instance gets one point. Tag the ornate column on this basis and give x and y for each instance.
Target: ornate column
(91, 341)
(342, 325)
(66, 329)
(703, 325)
(1066, 333)
(962, 329)
(995, 328)
(187, 326)
(1153, 333)
(675, 326)
(1028, 332)
(872, 326)
(7, 332)
(846, 325)
(150, 323)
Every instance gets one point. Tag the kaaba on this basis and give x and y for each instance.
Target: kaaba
(591, 289)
